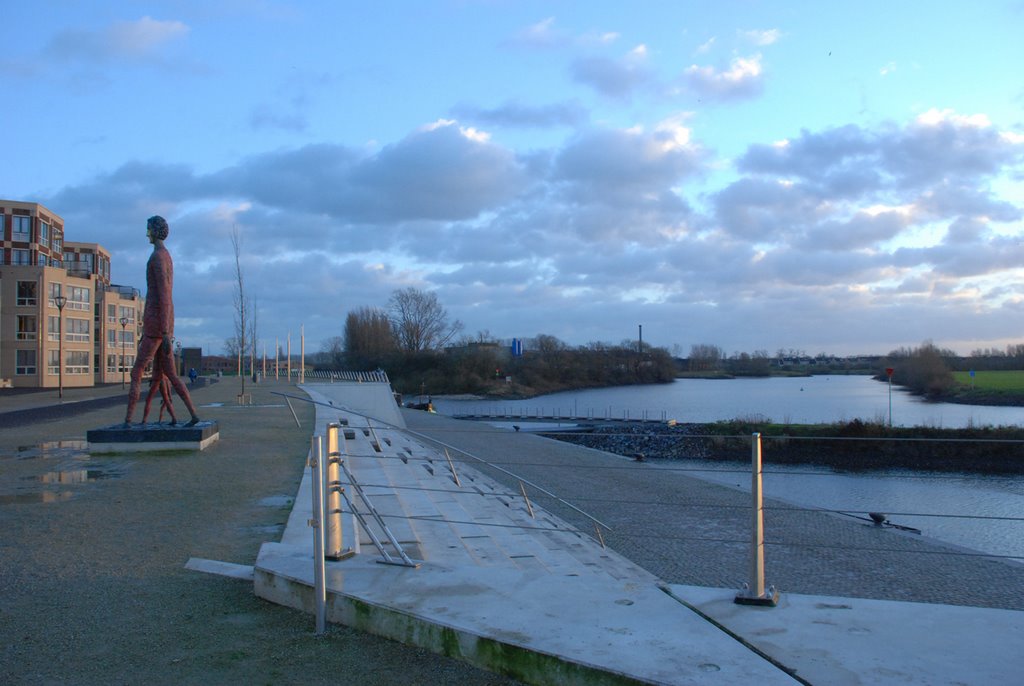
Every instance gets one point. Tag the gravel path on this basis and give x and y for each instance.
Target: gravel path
(93, 588)
(689, 531)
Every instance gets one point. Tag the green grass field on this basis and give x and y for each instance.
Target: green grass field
(1005, 382)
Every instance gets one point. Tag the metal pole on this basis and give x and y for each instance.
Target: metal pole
(333, 537)
(890, 400)
(124, 326)
(60, 301)
(317, 522)
(754, 593)
(302, 354)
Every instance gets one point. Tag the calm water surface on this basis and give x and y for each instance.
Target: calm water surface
(983, 513)
(805, 400)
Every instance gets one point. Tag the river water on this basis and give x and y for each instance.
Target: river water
(979, 512)
(797, 400)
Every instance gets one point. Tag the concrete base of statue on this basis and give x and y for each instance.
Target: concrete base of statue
(153, 437)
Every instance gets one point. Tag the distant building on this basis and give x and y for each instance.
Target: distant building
(38, 266)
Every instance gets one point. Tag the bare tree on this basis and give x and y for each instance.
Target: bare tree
(419, 321)
(241, 303)
(369, 337)
(333, 350)
(705, 356)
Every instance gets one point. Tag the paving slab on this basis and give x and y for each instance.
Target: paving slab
(854, 641)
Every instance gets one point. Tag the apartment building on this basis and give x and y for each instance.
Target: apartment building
(61, 320)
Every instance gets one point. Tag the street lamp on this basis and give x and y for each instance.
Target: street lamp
(60, 301)
(124, 323)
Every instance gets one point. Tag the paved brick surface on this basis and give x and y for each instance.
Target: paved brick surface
(689, 531)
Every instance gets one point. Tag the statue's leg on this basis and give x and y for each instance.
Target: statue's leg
(146, 351)
(179, 387)
(165, 396)
(154, 382)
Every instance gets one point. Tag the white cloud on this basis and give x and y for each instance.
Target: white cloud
(614, 78)
(761, 37)
(143, 39)
(542, 243)
(517, 115)
(706, 46)
(744, 78)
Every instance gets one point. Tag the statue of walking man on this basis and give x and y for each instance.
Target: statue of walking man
(158, 323)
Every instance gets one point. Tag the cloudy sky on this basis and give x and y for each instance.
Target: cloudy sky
(832, 177)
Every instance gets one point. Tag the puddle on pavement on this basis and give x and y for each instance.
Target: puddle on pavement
(277, 501)
(48, 449)
(39, 497)
(76, 476)
(51, 472)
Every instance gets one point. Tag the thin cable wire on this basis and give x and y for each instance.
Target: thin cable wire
(660, 464)
(628, 534)
(711, 506)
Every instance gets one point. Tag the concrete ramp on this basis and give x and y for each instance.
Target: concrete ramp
(371, 399)
(519, 593)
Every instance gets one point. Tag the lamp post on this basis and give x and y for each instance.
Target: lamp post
(124, 324)
(60, 301)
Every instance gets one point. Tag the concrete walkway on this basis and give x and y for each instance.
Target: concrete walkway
(508, 586)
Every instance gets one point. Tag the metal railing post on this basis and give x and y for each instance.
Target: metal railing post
(317, 522)
(754, 592)
(333, 537)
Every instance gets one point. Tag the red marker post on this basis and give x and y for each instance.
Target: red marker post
(889, 372)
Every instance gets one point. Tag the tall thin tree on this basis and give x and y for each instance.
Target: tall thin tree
(241, 303)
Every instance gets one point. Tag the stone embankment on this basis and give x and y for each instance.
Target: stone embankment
(646, 441)
(851, 446)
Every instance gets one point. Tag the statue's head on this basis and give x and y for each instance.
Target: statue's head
(157, 228)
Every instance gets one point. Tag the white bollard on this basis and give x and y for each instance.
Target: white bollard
(754, 592)
(333, 537)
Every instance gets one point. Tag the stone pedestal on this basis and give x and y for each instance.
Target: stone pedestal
(140, 438)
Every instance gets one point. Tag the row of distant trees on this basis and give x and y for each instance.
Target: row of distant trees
(418, 344)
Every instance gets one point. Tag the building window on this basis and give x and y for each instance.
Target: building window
(54, 291)
(111, 364)
(77, 362)
(26, 293)
(78, 330)
(53, 363)
(26, 328)
(52, 328)
(79, 298)
(58, 242)
(21, 257)
(24, 362)
(44, 235)
(112, 314)
(22, 230)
